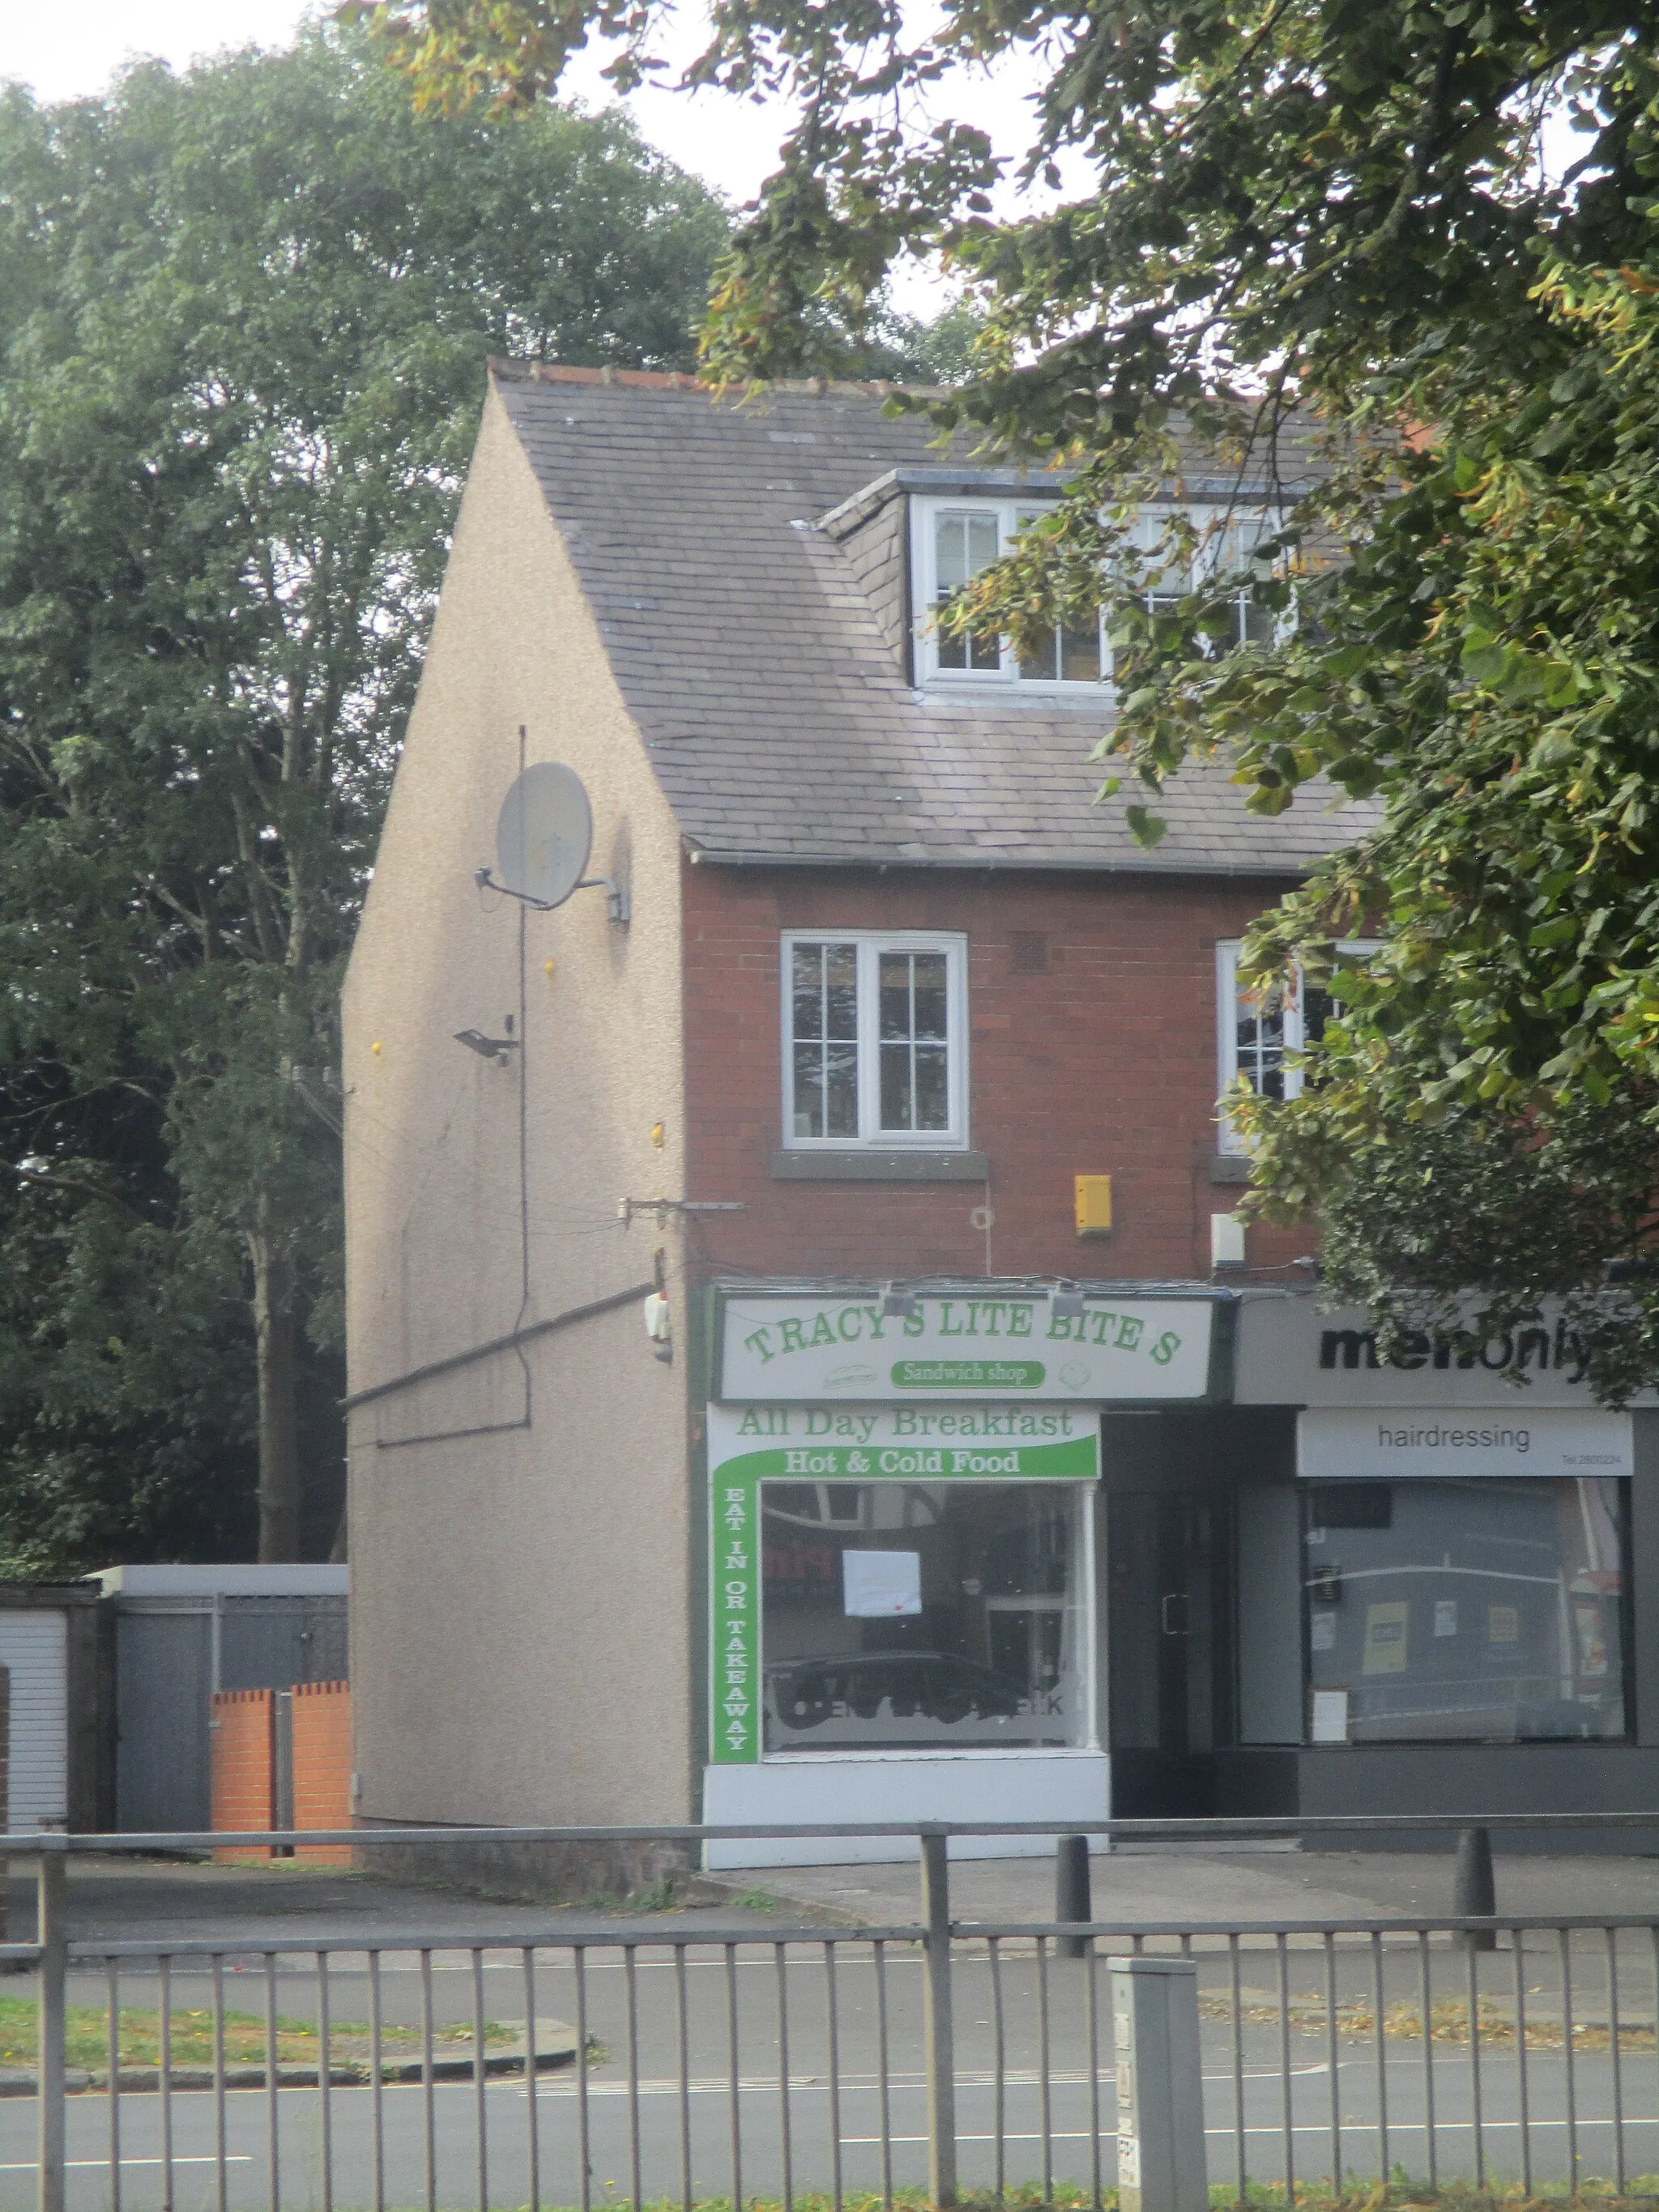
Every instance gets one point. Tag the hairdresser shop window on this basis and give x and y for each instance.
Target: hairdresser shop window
(1485, 1611)
(923, 1615)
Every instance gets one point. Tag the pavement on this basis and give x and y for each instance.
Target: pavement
(1227, 1886)
(128, 1900)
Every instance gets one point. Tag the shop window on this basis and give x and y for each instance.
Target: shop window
(1485, 1611)
(874, 1049)
(1255, 1031)
(938, 1615)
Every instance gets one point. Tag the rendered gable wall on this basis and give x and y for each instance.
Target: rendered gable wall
(517, 1590)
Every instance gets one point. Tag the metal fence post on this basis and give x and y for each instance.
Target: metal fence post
(50, 1934)
(939, 2051)
(1071, 1893)
(1474, 1893)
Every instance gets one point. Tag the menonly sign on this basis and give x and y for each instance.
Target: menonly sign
(961, 1343)
(1290, 1350)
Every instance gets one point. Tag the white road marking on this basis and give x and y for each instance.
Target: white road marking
(101, 2165)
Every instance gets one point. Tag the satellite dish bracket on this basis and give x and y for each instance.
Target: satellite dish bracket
(618, 901)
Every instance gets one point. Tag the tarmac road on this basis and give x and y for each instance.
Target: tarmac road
(1074, 2097)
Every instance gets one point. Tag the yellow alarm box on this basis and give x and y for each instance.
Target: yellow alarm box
(1094, 1205)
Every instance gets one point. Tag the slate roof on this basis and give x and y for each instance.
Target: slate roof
(760, 651)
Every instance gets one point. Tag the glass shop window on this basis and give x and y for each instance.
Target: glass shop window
(925, 1615)
(1486, 1611)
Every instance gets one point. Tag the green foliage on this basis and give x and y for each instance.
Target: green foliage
(244, 315)
(1484, 1113)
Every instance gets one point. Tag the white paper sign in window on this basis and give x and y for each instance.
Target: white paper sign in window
(877, 1584)
(1330, 1716)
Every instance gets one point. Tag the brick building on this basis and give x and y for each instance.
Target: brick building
(803, 1360)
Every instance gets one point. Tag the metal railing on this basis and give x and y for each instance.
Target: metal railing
(658, 2063)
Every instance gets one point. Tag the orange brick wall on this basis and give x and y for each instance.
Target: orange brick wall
(322, 1767)
(243, 1735)
(1103, 1062)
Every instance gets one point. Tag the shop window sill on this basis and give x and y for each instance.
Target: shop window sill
(880, 1167)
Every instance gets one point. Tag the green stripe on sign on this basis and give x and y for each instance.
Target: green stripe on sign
(735, 1626)
(967, 1373)
(1074, 1460)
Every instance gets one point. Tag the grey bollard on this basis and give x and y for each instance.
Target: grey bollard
(1072, 1893)
(1160, 2086)
(1474, 1893)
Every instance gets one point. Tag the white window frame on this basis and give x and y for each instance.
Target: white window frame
(1009, 511)
(1230, 1139)
(870, 945)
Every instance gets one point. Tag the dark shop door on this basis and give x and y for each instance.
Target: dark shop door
(1168, 1682)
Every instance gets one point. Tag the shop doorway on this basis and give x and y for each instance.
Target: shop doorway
(1170, 1645)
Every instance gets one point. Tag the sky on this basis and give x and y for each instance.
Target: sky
(71, 50)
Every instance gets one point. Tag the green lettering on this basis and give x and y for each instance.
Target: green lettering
(1019, 1321)
(822, 1332)
(750, 1425)
(790, 1332)
(872, 1314)
(1166, 1347)
(1100, 1322)
(847, 1314)
(946, 1328)
(1130, 1330)
(759, 1342)
(915, 1323)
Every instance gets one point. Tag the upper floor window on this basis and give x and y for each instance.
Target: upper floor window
(874, 1039)
(1256, 1030)
(951, 540)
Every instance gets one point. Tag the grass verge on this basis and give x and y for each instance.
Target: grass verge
(87, 2038)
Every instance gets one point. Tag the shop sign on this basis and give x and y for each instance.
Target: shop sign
(964, 1344)
(1288, 1352)
(1385, 1442)
(751, 1444)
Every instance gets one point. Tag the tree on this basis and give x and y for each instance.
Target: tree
(1360, 215)
(243, 318)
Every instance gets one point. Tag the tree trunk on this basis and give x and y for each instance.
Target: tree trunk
(277, 1332)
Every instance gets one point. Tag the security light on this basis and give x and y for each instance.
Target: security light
(1065, 1302)
(896, 1302)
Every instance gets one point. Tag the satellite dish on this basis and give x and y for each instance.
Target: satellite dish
(544, 835)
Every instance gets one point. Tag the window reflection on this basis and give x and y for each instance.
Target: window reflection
(824, 989)
(903, 1615)
(1485, 1611)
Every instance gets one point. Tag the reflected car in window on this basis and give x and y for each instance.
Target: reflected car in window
(902, 1686)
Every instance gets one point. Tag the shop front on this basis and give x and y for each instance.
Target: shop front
(1445, 1564)
(906, 1579)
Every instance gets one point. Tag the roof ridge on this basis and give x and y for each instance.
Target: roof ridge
(674, 380)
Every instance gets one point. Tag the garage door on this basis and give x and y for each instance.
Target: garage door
(35, 1647)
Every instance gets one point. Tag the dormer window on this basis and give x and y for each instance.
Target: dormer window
(951, 540)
